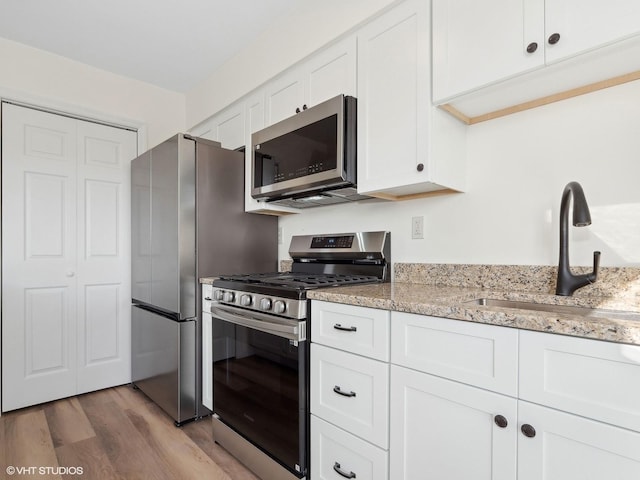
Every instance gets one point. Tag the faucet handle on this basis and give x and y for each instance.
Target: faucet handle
(596, 266)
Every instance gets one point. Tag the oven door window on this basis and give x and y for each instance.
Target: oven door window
(260, 390)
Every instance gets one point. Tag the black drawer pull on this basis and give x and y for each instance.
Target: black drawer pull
(337, 326)
(207, 298)
(344, 394)
(336, 467)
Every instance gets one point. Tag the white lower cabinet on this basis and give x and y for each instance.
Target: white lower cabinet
(471, 401)
(336, 454)
(570, 447)
(442, 429)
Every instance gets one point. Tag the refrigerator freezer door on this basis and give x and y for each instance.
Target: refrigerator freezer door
(163, 362)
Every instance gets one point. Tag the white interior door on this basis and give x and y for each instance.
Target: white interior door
(65, 261)
(104, 255)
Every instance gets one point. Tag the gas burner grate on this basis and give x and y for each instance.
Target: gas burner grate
(301, 280)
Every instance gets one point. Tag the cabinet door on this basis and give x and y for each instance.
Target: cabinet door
(477, 43)
(331, 72)
(445, 430)
(569, 447)
(393, 97)
(229, 127)
(284, 95)
(587, 24)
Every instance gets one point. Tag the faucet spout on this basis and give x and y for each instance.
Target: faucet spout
(567, 282)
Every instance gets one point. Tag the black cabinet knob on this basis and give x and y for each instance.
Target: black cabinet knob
(420, 167)
(554, 38)
(532, 47)
(304, 107)
(528, 430)
(500, 421)
(297, 109)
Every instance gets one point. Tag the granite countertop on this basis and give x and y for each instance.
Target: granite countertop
(450, 302)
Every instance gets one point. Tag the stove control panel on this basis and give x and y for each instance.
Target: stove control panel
(286, 307)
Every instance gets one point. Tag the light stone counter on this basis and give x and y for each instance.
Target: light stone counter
(423, 289)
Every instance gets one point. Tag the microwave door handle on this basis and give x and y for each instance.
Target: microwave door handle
(290, 332)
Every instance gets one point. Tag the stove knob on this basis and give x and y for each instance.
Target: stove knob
(229, 297)
(246, 300)
(265, 304)
(279, 306)
(218, 295)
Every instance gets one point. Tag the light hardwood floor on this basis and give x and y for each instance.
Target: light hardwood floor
(117, 433)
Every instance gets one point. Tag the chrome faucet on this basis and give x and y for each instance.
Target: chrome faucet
(567, 282)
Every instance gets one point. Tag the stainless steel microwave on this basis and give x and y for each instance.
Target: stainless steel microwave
(309, 156)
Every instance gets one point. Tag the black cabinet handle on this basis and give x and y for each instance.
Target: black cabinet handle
(532, 47)
(337, 326)
(304, 107)
(339, 391)
(501, 421)
(420, 167)
(207, 298)
(336, 467)
(554, 38)
(297, 109)
(528, 430)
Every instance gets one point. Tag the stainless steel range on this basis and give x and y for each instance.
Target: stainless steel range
(261, 349)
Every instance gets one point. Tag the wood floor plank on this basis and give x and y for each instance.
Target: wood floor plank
(122, 442)
(200, 432)
(67, 422)
(116, 433)
(89, 455)
(28, 442)
(185, 458)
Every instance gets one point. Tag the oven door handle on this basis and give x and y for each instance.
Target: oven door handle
(292, 332)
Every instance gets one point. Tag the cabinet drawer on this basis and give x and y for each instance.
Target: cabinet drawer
(207, 293)
(333, 448)
(485, 356)
(360, 330)
(351, 392)
(592, 378)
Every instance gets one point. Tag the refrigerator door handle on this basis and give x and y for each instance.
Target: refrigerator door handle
(263, 323)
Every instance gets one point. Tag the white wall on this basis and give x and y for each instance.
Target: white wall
(517, 169)
(309, 27)
(34, 76)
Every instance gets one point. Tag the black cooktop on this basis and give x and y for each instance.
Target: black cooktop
(299, 280)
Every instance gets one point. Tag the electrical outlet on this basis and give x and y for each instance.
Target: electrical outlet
(279, 235)
(417, 227)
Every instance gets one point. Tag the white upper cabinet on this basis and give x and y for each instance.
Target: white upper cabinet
(326, 74)
(587, 24)
(476, 43)
(405, 146)
(226, 127)
(484, 53)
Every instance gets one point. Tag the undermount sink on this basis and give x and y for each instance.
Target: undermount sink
(563, 309)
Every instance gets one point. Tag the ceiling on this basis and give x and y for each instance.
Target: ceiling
(170, 43)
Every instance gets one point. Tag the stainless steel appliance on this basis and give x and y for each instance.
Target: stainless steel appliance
(309, 159)
(260, 334)
(188, 222)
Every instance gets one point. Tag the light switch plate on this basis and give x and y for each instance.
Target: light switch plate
(417, 228)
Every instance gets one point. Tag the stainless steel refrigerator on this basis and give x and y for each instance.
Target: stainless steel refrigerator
(188, 222)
